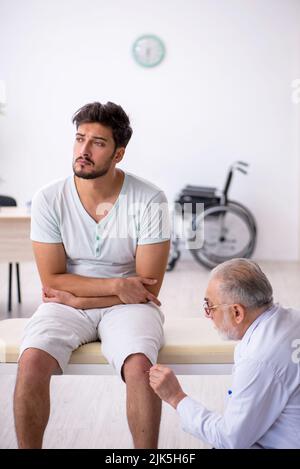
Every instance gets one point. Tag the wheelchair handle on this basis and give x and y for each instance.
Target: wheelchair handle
(241, 170)
(230, 174)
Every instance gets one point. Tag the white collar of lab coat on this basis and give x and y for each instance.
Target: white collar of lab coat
(249, 332)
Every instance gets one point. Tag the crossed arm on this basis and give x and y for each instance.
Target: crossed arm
(89, 292)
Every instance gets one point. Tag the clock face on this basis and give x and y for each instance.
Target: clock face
(148, 50)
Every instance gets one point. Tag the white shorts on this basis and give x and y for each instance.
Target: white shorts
(122, 329)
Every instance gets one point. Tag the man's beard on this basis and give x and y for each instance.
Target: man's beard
(93, 174)
(226, 332)
(226, 335)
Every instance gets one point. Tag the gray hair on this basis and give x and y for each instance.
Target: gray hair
(243, 281)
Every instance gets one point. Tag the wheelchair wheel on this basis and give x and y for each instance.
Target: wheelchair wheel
(228, 231)
(174, 255)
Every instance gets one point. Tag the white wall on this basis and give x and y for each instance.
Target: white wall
(222, 93)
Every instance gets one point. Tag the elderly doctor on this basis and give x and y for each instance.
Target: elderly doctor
(263, 409)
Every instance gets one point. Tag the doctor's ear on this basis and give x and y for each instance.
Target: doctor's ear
(239, 312)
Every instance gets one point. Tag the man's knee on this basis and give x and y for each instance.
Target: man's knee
(36, 362)
(136, 366)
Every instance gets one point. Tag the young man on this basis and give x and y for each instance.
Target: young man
(101, 244)
(263, 409)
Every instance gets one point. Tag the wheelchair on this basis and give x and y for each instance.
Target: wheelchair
(223, 230)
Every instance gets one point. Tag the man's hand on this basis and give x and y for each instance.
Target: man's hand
(131, 290)
(50, 295)
(128, 291)
(165, 384)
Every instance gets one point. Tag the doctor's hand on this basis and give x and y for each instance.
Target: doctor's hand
(165, 384)
(132, 290)
(50, 295)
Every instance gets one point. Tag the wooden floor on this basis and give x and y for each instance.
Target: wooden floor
(89, 411)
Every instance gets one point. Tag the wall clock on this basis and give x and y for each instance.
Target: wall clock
(148, 50)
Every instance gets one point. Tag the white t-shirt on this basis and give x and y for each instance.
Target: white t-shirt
(104, 249)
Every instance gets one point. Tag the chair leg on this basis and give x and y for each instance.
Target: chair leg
(18, 282)
(9, 285)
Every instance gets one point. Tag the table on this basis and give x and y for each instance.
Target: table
(15, 244)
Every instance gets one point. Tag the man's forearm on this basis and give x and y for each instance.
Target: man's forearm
(81, 286)
(97, 302)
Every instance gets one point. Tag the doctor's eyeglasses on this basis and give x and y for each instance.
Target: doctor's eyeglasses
(208, 309)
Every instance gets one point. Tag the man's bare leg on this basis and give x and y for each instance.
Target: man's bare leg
(32, 396)
(143, 406)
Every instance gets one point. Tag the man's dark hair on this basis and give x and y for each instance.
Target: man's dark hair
(110, 115)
